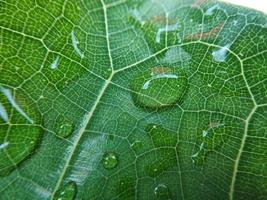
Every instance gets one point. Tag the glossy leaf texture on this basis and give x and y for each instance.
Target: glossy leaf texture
(132, 99)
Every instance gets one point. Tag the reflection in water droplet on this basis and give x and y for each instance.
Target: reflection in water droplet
(54, 64)
(168, 28)
(67, 192)
(158, 76)
(3, 113)
(109, 160)
(12, 101)
(211, 10)
(75, 45)
(159, 87)
(162, 192)
(221, 54)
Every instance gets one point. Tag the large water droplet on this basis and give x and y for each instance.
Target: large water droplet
(109, 160)
(67, 192)
(159, 87)
(162, 192)
(64, 127)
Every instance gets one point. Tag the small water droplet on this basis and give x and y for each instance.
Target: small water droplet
(159, 87)
(65, 130)
(162, 192)
(137, 144)
(63, 127)
(67, 192)
(109, 160)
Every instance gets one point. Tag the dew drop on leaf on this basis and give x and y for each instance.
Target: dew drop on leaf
(67, 192)
(109, 160)
(64, 127)
(65, 130)
(159, 87)
(137, 144)
(162, 192)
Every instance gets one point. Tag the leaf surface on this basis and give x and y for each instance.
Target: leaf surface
(132, 99)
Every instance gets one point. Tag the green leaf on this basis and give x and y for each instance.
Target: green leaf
(131, 99)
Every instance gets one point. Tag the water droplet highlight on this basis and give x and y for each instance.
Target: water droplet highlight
(221, 54)
(109, 160)
(162, 192)
(159, 87)
(67, 192)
